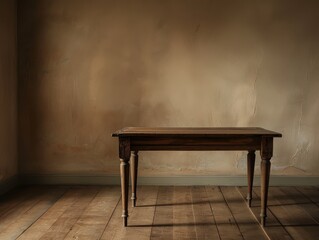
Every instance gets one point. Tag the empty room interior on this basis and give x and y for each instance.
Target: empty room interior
(159, 119)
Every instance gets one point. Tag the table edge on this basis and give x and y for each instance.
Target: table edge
(121, 133)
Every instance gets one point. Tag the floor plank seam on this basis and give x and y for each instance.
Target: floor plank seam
(154, 212)
(231, 212)
(42, 192)
(278, 220)
(13, 206)
(216, 212)
(83, 210)
(18, 204)
(306, 211)
(252, 213)
(211, 209)
(283, 226)
(194, 220)
(314, 202)
(44, 212)
(118, 202)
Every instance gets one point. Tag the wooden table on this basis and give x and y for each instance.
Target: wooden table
(134, 139)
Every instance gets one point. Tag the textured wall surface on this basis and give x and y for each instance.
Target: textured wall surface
(88, 68)
(8, 90)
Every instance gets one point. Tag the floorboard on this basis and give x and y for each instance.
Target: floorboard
(14, 198)
(249, 227)
(162, 212)
(225, 221)
(37, 207)
(20, 210)
(163, 217)
(183, 215)
(94, 219)
(43, 224)
(274, 230)
(285, 204)
(310, 192)
(205, 225)
(141, 217)
(63, 225)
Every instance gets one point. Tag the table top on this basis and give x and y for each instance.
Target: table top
(195, 132)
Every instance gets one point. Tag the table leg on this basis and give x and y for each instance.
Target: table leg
(266, 154)
(265, 172)
(125, 170)
(134, 168)
(250, 174)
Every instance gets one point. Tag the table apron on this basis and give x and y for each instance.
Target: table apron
(195, 143)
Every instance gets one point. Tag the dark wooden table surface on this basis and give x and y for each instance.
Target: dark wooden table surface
(135, 139)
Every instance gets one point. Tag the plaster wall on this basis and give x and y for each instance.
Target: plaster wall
(8, 90)
(88, 68)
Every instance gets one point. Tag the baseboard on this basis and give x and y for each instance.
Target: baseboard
(58, 179)
(9, 184)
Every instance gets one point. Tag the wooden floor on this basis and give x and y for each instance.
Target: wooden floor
(168, 212)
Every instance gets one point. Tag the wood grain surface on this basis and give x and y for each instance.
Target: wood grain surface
(165, 212)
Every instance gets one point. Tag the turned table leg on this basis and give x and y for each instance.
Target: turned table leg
(134, 168)
(125, 171)
(250, 174)
(266, 154)
(125, 167)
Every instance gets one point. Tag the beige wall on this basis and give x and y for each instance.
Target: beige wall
(89, 68)
(8, 90)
